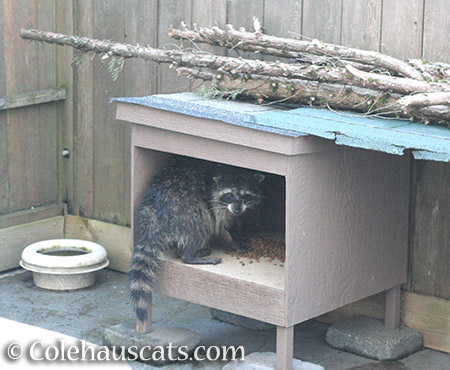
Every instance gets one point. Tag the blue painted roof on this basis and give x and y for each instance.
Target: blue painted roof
(385, 135)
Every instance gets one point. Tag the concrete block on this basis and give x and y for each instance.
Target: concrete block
(369, 337)
(159, 347)
(267, 361)
(384, 365)
(428, 359)
(241, 321)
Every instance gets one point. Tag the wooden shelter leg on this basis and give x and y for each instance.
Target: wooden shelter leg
(145, 326)
(392, 308)
(285, 347)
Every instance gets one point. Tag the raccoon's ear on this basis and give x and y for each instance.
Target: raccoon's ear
(259, 177)
(217, 179)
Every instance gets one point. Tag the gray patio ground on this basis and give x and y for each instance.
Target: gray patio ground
(86, 313)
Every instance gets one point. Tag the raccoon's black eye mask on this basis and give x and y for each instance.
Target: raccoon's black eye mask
(227, 198)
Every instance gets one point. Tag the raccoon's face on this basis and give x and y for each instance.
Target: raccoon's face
(237, 194)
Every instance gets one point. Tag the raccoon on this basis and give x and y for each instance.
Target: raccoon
(189, 205)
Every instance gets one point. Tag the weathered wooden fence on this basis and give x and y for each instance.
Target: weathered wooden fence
(94, 179)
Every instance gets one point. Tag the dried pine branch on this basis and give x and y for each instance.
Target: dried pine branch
(265, 88)
(301, 57)
(331, 86)
(432, 71)
(236, 65)
(249, 41)
(399, 85)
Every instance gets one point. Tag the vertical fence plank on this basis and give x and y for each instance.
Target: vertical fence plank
(23, 124)
(322, 20)
(208, 13)
(141, 77)
(240, 13)
(361, 24)
(283, 20)
(430, 270)
(436, 33)
(108, 143)
(48, 185)
(65, 112)
(401, 36)
(141, 28)
(4, 168)
(83, 101)
(405, 44)
(171, 13)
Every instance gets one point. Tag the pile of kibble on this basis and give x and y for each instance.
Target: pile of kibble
(262, 247)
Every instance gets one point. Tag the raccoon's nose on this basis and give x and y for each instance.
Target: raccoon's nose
(237, 209)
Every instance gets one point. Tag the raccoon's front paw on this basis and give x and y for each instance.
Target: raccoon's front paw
(204, 252)
(201, 260)
(215, 260)
(240, 247)
(209, 261)
(244, 239)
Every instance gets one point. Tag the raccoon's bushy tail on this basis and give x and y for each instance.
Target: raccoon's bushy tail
(141, 275)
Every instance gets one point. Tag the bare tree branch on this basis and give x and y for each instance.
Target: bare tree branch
(302, 57)
(331, 86)
(265, 88)
(243, 40)
(399, 85)
(423, 100)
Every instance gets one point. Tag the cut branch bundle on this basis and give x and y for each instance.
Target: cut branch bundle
(311, 72)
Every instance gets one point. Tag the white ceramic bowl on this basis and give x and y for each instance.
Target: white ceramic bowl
(64, 272)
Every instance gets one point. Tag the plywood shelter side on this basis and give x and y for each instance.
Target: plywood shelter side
(211, 288)
(144, 165)
(346, 228)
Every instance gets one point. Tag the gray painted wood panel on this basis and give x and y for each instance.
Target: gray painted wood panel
(430, 270)
(436, 32)
(4, 165)
(140, 20)
(285, 20)
(4, 168)
(23, 124)
(240, 13)
(47, 158)
(322, 20)
(109, 201)
(222, 292)
(361, 24)
(401, 35)
(139, 29)
(171, 13)
(430, 255)
(216, 151)
(346, 225)
(346, 211)
(83, 180)
(65, 112)
(207, 13)
(217, 130)
(407, 41)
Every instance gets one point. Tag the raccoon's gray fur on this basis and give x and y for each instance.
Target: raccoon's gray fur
(189, 204)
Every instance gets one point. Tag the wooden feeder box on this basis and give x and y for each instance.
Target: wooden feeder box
(345, 208)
